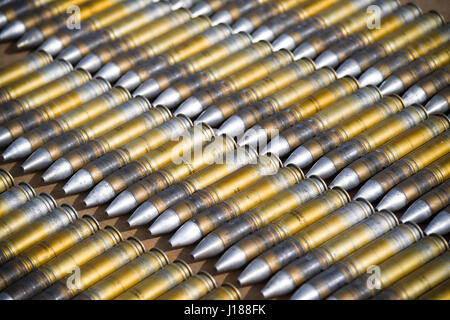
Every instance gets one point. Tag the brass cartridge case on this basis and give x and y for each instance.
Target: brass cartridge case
(44, 94)
(36, 231)
(26, 214)
(160, 282)
(63, 265)
(126, 277)
(420, 281)
(192, 288)
(46, 250)
(34, 80)
(24, 66)
(94, 270)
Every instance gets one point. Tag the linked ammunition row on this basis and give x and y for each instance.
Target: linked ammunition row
(210, 172)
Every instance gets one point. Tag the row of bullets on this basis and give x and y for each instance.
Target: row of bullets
(47, 252)
(237, 198)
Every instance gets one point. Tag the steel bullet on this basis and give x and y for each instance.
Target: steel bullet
(405, 57)
(101, 167)
(304, 241)
(62, 265)
(363, 59)
(279, 23)
(343, 49)
(408, 75)
(420, 281)
(393, 269)
(22, 67)
(183, 54)
(43, 95)
(345, 154)
(178, 150)
(26, 214)
(416, 185)
(223, 109)
(37, 137)
(439, 102)
(66, 36)
(327, 118)
(80, 47)
(46, 250)
(159, 283)
(15, 197)
(440, 224)
(203, 98)
(36, 231)
(16, 127)
(272, 233)
(427, 87)
(225, 292)
(201, 179)
(75, 159)
(314, 148)
(31, 18)
(126, 277)
(181, 90)
(428, 204)
(34, 80)
(346, 270)
(266, 212)
(405, 167)
(300, 89)
(209, 219)
(160, 80)
(234, 10)
(439, 292)
(214, 193)
(45, 29)
(267, 128)
(94, 270)
(6, 180)
(335, 249)
(56, 147)
(317, 43)
(193, 288)
(298, 33)
(108, 51)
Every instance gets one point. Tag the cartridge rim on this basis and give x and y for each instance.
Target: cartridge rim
(323, 183)
(92, 222)
(7, 177)
(70, 210)
(211, 279)
(392, 215)
(233, 288)
(115, 232)
(49, 200)
(187, 268)
(28, 189)
(297, 171)
(140, 247)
